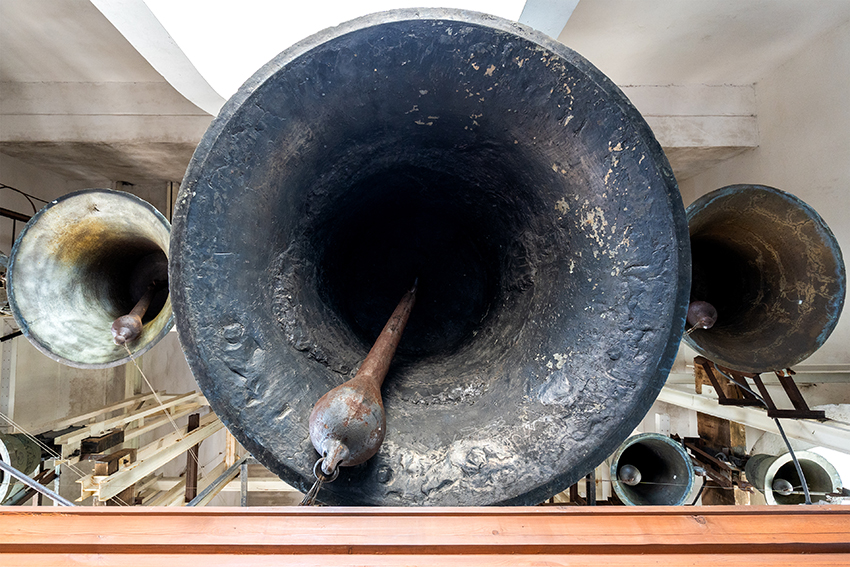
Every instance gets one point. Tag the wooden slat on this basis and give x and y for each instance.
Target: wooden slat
(105, 425)
(431, 536)
(519, 560)
(175, 413)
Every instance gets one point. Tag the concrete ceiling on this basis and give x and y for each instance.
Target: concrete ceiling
(76, 98)
(713, 42)
(140, 128)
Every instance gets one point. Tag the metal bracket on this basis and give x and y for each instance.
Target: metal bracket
(801, 409)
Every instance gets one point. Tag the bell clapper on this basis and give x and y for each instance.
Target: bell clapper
(629, 475)
(127, 328)
(701, 315)
(348, 424)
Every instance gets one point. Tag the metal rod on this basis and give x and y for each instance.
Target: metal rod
(38, 487)
(127, 328)
(10, 336)
(14, 215)
(347, 424)
(197, 499)
(243, 484)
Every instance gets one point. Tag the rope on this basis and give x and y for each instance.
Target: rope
(156, 397)
(781, 432)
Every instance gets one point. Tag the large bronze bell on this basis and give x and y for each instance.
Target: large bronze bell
(772, 269)
(500, 168)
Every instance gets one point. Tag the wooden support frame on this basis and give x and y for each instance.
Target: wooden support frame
(149, 459)
(742, 397)
(550, 535)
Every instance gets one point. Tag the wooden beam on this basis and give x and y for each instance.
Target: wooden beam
(832, 434)
(149, 458)
(192, 461)
(754, 535)
(77, 419)
(107, 424)
(176, 413)
(171, 497)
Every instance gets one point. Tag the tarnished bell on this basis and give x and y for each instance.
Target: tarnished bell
(652, 469)
(82, 261)
(772, 269)
(500, 168)
(20, 452)
(778, 480)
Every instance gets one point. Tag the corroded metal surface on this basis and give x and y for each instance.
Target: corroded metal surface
(82, 261)
(652, 469)
(774, 272)
(348, 424)
(505, 171)
(772, 475)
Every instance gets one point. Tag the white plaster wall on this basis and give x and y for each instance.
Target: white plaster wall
(804, 125)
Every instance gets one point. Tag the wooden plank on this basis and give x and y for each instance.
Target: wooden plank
(515, 560)
(77, 419)
(176, 413)
(121, 420)
(112, 485)
(343, 536)
(192, 460)
(172, 437)
(172, 496)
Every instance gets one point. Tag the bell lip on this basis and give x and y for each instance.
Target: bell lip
(7, 479)
(190, 341)
(13, 305)
(703, 203)
(615, 458)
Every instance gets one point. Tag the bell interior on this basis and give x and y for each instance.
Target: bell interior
(772, 269)
(818, 479)
(82, 262)
(665, 475)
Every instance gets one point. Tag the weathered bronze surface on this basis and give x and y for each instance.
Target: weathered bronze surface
(82, 261)
(774, 272)
(348, 424)
(652, 470)
(507, 173)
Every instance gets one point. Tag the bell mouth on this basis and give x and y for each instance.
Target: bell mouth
(82, 261)
(501, 169)
(773, 270)
(666, 472)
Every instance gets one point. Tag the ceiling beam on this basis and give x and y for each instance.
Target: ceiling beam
(829, 434)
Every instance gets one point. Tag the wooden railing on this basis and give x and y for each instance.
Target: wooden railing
(775, 535)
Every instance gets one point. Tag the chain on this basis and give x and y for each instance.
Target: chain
(321, 478)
